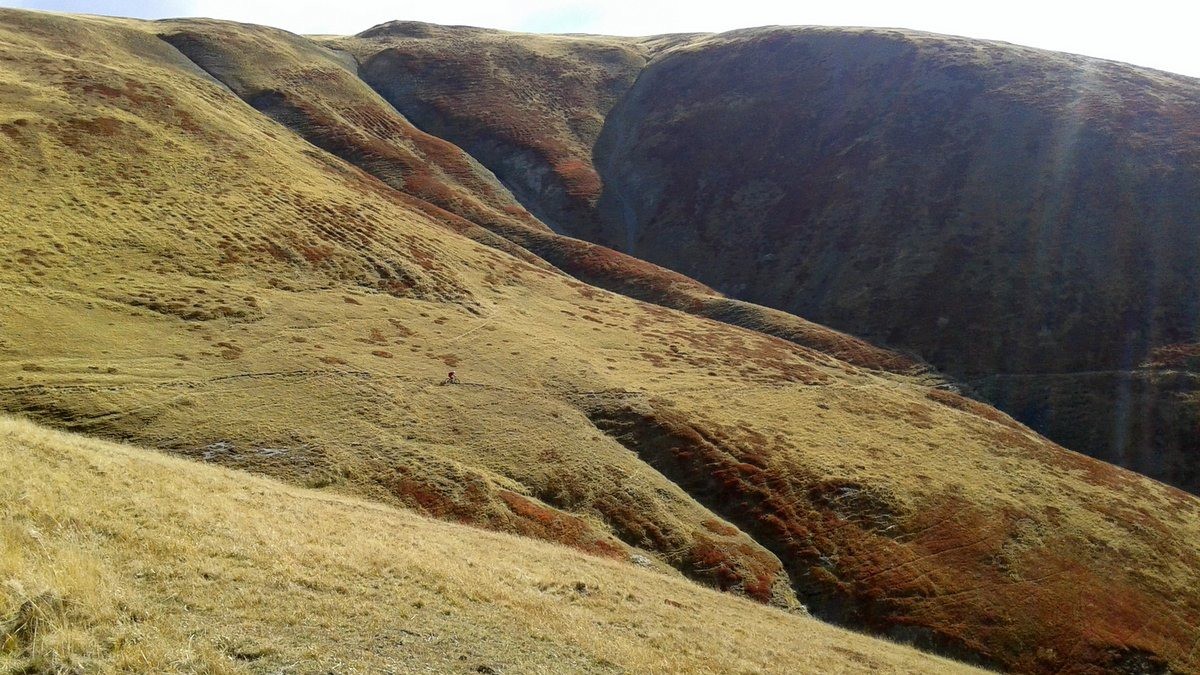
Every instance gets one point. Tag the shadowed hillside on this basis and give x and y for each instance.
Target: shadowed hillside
(530, 108)
(225, 282)
(1019, 218)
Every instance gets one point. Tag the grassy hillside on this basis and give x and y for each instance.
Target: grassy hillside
(1005, 212)
(530, 108)
(1019, 218)
(185, 272)
(316, 92)
(115, 559)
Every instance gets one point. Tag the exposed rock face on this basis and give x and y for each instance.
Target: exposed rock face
(1019, 218)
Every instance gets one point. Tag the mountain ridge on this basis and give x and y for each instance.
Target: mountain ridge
(994, 210)
(194, 275)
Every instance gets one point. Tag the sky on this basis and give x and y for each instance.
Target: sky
(1152, 33)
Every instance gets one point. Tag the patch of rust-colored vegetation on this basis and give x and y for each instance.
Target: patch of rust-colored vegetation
(944, 573)
(389, 585)
(551, 524)
(1184, 356)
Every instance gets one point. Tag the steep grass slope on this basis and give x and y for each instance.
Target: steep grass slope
(1019, 218)
(182, 271)
(212, 265)
(115, 559)
(315, 92)
(530, 109)
(1005, 212)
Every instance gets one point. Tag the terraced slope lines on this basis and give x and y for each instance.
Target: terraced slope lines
(245, 258)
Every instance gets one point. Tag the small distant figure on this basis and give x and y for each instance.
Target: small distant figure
(452, 378)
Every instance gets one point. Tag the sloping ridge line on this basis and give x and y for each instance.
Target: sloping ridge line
(828, 607)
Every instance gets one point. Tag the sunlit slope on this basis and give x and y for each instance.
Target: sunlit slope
(220, 287)
(114, 559)
(202, 280)
(316, 92)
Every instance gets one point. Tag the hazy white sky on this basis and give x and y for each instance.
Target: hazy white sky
(1151, 33)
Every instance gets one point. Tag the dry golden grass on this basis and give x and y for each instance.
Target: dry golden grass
(117, 559)
(182, 272)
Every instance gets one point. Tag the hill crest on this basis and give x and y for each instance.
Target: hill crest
(270, 283)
